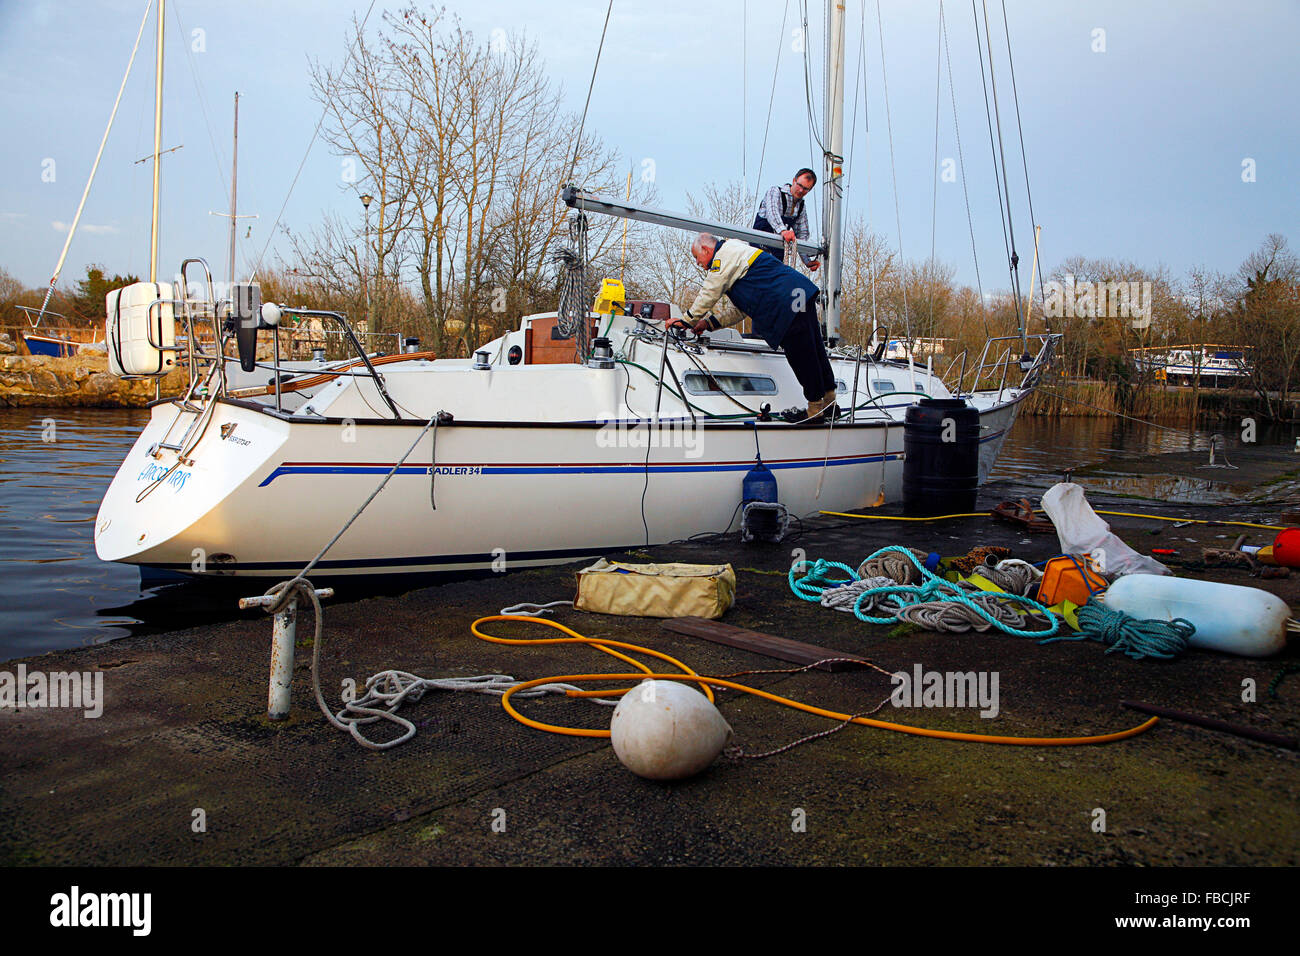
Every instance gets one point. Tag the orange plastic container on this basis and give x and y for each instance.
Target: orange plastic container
(1068, 579)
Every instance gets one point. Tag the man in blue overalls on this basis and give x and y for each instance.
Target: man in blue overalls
(782, 304)
(782, 212)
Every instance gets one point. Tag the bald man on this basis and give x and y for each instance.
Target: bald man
(782, 304)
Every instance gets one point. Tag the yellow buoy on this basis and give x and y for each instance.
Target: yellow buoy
(663, 730)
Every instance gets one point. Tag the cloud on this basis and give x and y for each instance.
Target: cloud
(12, 216)
(61, 226)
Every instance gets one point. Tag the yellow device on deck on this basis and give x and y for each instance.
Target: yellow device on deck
(610, 298)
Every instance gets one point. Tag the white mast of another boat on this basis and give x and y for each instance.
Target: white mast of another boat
(67, 243)
(833, 152)
(234, 192)
(157, 144)
(233, 215)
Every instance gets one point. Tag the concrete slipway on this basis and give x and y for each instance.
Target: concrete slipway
(183, 729)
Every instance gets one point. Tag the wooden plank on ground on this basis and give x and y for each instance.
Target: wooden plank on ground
(769, 645)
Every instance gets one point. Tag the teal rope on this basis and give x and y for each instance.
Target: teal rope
(1290, 667)
(817, 581)
(811, 585)
(936, 588)
(1136, 638)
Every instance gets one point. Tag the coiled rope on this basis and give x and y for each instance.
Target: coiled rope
(941, 604)
(894, 565)
(1135, 637)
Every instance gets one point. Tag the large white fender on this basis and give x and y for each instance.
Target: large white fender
(663, 730)
(1228, 617)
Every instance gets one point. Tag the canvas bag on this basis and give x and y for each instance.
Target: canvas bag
(656, 590)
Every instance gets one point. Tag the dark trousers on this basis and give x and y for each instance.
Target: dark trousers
(806, 353)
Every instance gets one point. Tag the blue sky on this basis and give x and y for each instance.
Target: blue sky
(1135, 151)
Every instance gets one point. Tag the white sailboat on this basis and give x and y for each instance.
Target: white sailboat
(581, 432)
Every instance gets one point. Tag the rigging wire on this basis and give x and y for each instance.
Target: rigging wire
(218, 157)
(270, 235)
(1033, 222)
(965, 188)
(577, 145)
(859, 85)
(1001, 153)
(758, 183)
(809, 106)
(988, 116)
(72, 229)
(898, 216)
(934, 185)
(807, 78)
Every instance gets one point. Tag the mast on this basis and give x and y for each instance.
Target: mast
(834, 165)
(157, 144)
(234, 177)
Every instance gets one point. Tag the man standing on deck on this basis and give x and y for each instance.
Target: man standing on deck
(782, 211)
(782, 304)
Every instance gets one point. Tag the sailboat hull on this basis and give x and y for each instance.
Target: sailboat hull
(260, 495)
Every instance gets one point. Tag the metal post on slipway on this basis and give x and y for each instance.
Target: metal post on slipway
(284, 633)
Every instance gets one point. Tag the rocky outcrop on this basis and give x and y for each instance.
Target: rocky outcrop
(81, 380)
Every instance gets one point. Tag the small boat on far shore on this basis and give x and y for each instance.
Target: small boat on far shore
(58, 341)
(1212, 366)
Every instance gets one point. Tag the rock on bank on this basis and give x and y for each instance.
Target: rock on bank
(80, 380)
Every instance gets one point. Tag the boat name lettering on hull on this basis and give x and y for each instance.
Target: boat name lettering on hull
(152, 472)
(457, 470)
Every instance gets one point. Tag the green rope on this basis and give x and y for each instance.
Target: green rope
(1290, 667)
(811, 585)
(1136, 638)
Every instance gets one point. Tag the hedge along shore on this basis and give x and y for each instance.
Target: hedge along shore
(80, 380)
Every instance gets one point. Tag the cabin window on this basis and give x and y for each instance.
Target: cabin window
(841, 386)
(883, 385)
(732, 383)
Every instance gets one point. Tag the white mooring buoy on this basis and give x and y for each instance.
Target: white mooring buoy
(663, 730)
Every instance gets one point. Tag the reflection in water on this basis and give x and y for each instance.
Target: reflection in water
(1176, 489)
(1048, 446)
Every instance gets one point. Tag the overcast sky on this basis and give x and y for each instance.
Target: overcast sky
(1142, 120)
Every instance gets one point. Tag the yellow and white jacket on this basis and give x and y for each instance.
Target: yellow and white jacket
(730, 263)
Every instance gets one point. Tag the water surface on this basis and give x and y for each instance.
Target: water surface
(56, 464)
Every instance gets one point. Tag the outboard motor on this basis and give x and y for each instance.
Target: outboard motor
(763, 518)
(245, 319)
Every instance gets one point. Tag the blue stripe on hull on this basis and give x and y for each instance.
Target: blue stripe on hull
(627, 469)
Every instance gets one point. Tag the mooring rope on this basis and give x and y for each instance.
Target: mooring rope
(810, 583)
(895, 566)
(1135, 637)
(534, 610)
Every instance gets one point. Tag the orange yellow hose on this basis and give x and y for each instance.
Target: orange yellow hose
(1122, 514)
(705, 682)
